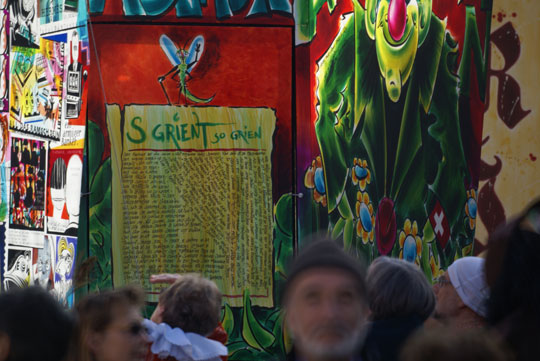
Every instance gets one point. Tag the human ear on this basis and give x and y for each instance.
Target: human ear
(94, 341)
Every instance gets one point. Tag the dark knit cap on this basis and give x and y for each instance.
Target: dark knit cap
(326, 254)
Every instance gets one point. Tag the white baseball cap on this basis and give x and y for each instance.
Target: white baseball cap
(468, 278)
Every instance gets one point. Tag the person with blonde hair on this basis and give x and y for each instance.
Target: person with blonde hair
(186, 315)
(110, 326)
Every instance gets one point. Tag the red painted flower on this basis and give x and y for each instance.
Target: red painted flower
(385, 226)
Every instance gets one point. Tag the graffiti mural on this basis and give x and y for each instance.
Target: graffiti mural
(206, 128)
(394, 97)
(389, 97)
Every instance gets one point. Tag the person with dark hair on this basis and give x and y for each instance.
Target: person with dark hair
(512, 273)
(33, 326)
(14, 157)
(34, 160)
(400, 300)
(325, 303)
(29, 196)
(25, 154)
(110, 326)
(42, 156)
(188, 309)
(40, 182)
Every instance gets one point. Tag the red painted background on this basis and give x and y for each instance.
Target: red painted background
(244, 66)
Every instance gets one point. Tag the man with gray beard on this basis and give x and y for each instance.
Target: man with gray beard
(325, 304)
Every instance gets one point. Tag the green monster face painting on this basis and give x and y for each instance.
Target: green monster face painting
(393, 107)
(398, 29)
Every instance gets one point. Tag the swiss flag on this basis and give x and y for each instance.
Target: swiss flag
(439, 222)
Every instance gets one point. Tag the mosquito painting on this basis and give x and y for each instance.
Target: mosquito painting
(183, 62)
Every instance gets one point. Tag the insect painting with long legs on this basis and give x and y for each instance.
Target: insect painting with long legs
(183, 62)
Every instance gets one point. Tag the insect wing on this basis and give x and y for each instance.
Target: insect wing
(169, 49)
(192, 54)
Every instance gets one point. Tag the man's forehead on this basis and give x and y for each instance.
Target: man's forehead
(325, 278)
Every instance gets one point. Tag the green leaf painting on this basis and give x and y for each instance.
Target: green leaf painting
(255, 334)
(100, 211)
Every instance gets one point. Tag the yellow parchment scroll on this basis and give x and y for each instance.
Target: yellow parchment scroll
(192, 192)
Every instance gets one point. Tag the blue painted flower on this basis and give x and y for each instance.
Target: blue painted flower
(409, 242)
(366, 219)
(360, 173)
(314, 179)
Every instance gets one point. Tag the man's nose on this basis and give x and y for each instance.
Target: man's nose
(330, 308)
(436, 287)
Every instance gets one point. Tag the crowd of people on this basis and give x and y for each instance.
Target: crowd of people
(335, 310)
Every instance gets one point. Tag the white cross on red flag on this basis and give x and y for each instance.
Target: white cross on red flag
(440, 225)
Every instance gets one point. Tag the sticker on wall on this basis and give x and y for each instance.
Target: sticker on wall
(24, 23)
(63, 269)
(28, 162)
(42, 264)
(4, 59)
(2, 253)
(17, 265)
(74, 78)
(36, 89)
(4, 167)
(75, 91)
(63, 191)
(57, 15)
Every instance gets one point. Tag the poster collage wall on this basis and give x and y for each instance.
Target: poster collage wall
(44, 70)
